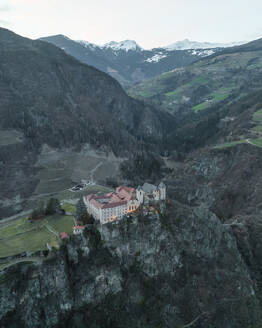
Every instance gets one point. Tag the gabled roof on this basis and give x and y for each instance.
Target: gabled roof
(162, 185)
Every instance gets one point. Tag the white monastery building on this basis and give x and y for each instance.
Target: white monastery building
(149, 192)
(114, 205)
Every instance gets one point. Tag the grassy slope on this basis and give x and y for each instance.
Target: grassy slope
(32, 241)
(62, 223)
(69, 208)
(257, 118)
(256, 131)
(21, 235)
(229, 144)
(204, 83)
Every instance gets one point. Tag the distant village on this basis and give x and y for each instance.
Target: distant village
(113, 206)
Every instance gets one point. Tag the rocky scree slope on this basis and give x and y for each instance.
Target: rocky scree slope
(181, 269)
(48, 97)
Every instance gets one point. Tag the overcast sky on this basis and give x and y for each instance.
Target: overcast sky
(151, 23)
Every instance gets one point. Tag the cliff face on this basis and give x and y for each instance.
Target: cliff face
(227, 180)
(184, 267)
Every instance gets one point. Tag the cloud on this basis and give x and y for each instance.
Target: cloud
(4, 23)
(4, 8)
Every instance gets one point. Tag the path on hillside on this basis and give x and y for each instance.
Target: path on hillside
(49, 228)
(15, 217)
(250, 143)
(92, 172)
(36, 259)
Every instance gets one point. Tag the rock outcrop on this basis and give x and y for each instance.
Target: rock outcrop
(227, 180)
(182, 268)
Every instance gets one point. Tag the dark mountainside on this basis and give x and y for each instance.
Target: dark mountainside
(196, 265)
(128, 67)
(76, 100)
(48, 97)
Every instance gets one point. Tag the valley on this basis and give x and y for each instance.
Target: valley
(193, 123)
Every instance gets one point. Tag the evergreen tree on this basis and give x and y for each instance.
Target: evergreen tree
(52, 206)
(81, 211)
(38, 213)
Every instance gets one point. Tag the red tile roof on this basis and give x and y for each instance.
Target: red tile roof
(79, 227)
(127, 189)
(63, 235)
(116, 204)
(113, 199)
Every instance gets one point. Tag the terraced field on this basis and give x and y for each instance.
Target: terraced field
(22, 235)
(61, 170)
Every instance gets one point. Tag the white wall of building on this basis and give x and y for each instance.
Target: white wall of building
(163, 193)
(105, 215)
(140, 196)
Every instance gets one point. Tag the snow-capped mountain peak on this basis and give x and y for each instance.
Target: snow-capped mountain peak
(188, 44)
(125, 45)
(87, 44)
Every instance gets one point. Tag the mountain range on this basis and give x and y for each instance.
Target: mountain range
(188, 44)
(128, 62)
(197, 127)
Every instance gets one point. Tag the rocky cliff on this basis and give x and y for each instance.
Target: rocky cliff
(180, 270)
(227, 180)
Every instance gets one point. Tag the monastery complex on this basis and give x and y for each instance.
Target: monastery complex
(114, 205)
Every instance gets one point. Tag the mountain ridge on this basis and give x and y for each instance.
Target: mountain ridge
(185, 44)
(126, 61)
(189, 44)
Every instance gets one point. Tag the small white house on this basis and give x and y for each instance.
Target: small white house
(77, 230)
